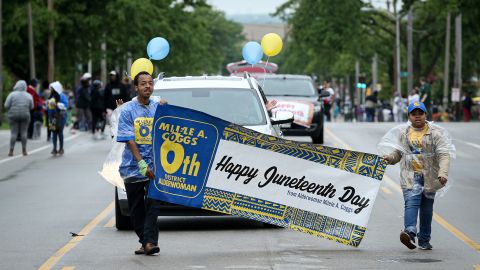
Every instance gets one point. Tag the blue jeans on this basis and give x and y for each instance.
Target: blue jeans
(416, 201)
(58, 134)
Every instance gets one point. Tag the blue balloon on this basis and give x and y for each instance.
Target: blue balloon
(252, 52)
(158, 48)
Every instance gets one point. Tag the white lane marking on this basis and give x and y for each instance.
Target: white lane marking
(36, 150)
(469, 143)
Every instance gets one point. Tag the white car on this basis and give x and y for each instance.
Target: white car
(239, 100)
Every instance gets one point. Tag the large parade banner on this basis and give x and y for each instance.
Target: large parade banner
(204, 162)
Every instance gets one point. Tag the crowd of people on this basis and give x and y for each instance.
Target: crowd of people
(85, 108)
(373, 109)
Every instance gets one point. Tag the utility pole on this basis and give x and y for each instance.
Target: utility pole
(1, 65)
(410, 50)
(129, 64)
(357, 90)
(89, 63)
(374, 72)
(51, 44)
(30, 41)
(446, 70)
(103, 63)
(458, 51)
(397, 49)
(458, 58)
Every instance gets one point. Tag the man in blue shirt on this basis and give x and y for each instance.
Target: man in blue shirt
(135, 129)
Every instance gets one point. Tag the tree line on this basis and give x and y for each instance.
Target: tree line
(201, 39)
(327, 37)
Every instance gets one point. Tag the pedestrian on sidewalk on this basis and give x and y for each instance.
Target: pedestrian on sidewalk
(467, 104)
(57, 115)
(19, 104)
(137, 162)
(423, 150)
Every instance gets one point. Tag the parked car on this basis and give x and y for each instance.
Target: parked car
(235, 99)
(298, 94)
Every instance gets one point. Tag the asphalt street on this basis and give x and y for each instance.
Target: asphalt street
(43, 199)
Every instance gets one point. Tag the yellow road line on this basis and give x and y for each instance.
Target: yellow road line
(386, 190)
(392, 183)
(460, 235)
(477, 267)
(338, 140)
(68, 268)
(75, 240)
(449, 227)
(110, 223)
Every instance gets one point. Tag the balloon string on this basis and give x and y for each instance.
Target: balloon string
(265, 71)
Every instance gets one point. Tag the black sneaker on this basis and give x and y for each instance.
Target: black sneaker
(54, 152)
(425, 246)
(140, 251)
(407, 240)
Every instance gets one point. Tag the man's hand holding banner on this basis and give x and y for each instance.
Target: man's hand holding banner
(204, 162)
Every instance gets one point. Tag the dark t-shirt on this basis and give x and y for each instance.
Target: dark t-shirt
(425, 89)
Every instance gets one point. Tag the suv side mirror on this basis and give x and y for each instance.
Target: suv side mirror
(323, 94)
(282, 117)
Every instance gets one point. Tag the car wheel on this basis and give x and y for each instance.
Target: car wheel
(121, 222)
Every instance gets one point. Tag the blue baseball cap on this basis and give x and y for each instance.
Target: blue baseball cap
(417, 105)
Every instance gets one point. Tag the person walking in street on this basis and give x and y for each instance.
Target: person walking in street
(328, 101)
(398, 108)
(370, 105)
(413, 97)
(137, 162)
(128, 87)
(98, 110)
(83, 102)
(467, 104)
(423, 149)
(45, 94)
(32, 90)
(19, 104)
(115, 90)
(426, 96)
(57, 115)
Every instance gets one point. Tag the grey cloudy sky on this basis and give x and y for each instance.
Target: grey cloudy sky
(246, 6)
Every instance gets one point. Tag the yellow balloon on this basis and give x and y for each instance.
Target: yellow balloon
(141, 64)
(271, 44)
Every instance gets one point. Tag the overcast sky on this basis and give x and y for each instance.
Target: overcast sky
(246, 6)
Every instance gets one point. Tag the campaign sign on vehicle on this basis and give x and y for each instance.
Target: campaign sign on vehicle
(205, 162)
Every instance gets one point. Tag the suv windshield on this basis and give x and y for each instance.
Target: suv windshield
(288, 87)
(239, 106)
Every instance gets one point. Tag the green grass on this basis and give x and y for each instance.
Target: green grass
(4, 126)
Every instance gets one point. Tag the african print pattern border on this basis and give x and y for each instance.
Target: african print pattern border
(365, 164)
(284, 216)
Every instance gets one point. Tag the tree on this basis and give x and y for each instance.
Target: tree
(201, 39)
(327, 36)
